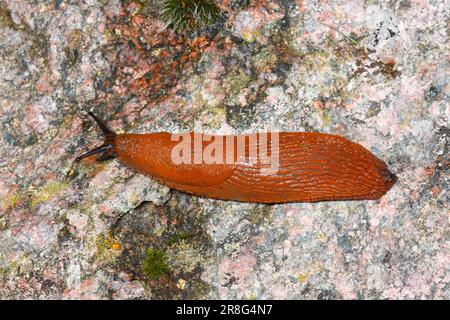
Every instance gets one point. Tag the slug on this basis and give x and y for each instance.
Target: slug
(276, 167)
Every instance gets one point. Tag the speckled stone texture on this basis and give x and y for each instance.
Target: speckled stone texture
(376, 72)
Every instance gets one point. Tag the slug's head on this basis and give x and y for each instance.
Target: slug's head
(107, 150)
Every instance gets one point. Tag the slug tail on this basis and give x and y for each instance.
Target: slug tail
(106, 150)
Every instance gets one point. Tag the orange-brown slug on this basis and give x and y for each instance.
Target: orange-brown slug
(267, 168)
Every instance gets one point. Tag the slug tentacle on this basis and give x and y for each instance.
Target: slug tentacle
(101, 149)
(103, 126)
(107, 149)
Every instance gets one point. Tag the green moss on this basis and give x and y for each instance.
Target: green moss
(182, 15)
(184, 235)
(155, 264)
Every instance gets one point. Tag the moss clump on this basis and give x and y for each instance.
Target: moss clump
(184, 235)
(155, 264)
(189, 15)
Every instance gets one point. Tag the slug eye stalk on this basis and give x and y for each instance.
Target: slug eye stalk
(106, 150)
